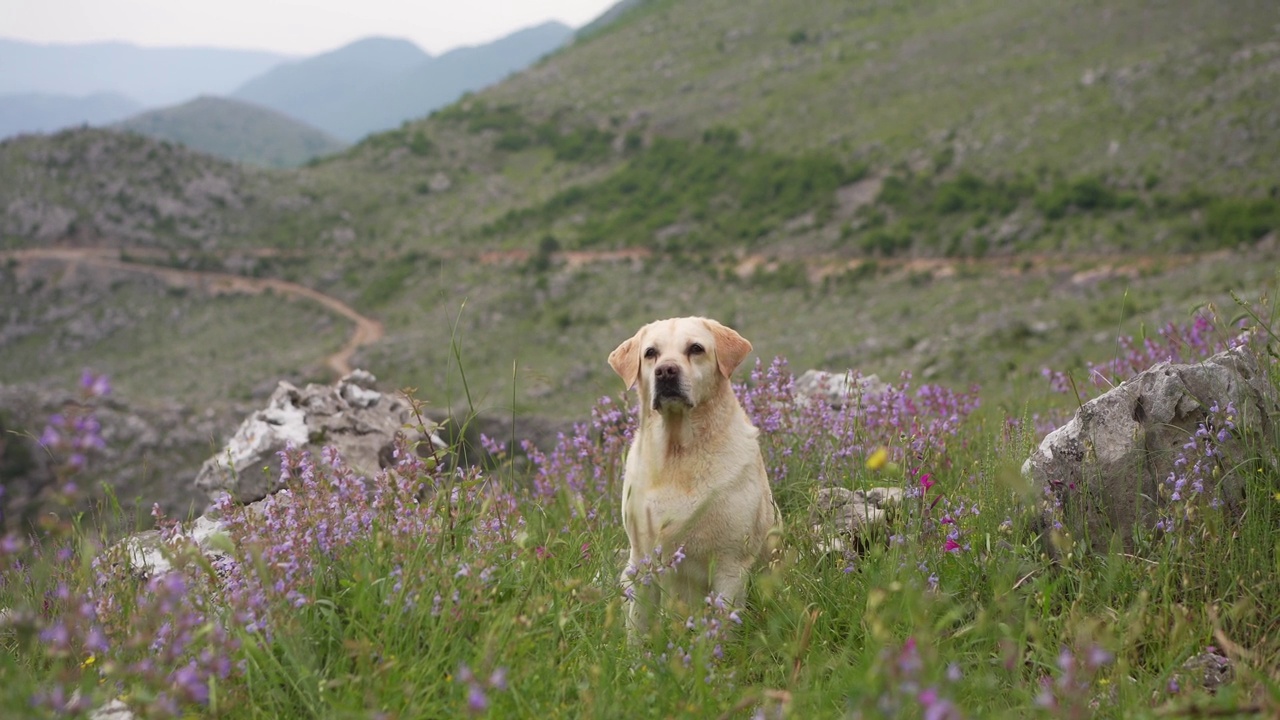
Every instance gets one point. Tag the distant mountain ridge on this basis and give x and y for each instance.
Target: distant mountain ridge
(40, 113)
(235, 130)
(378, 83)
(281, 113)
(151, 77)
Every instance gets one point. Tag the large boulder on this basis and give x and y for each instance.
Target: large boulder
(1107, 465)
(352, 416)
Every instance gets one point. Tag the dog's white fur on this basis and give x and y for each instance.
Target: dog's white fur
(694, 475)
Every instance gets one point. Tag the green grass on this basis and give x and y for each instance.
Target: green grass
(997, 325)
(170, 343)
(493, 573)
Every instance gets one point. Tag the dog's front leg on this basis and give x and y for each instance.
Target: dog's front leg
(639, 600)
(729, 580)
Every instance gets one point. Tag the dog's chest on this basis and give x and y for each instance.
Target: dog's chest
(665, 501)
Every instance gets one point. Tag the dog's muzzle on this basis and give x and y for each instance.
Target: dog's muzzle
(668, 386)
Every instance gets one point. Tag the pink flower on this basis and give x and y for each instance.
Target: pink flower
(926, 481)
(951, 545)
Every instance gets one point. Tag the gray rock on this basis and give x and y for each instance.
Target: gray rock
(836, 389)
(144, 552)
(357, 420)
(114, 710)
(844, 518)
(1106, 466)
(1207, 671)
(439, 183)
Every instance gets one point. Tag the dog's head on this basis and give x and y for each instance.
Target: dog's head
(679, 363)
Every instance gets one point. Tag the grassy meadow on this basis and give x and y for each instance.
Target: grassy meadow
(988, 204)
(431, 591)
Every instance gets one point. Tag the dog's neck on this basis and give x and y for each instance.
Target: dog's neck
(676, 427)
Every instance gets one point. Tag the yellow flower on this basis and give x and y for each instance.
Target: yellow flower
(89, 661)
(877, 459)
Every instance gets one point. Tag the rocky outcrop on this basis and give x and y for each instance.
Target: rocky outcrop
(848, 519)
(1106, 467)
(837, 389)
(351, 416)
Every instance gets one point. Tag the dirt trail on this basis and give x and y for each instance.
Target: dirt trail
(1082, 267)
(366, 331)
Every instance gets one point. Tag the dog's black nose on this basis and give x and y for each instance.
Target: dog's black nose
(666, 372)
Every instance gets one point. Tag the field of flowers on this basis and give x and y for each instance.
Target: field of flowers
(433, 592)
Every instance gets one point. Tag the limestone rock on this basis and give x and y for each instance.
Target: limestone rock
(850, 518)
(352, 416)
(1207, 671)
(144, 551)
(836, 389)
(1107, 464)
(114, 710)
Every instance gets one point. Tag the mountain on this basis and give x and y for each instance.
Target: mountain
(610, 16)
(235, 130)
(150, 76)
(437, 83)
(328, 90)
(33, 112)
(378, 83)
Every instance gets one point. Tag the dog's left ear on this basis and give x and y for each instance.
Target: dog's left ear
(625, 360)
(731, 348)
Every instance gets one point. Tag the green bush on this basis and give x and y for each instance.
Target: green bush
(383, 288)
(583, 145)
(730, 193)
(970, 193)
(1089, 194)
(421, 145)
(1235, 221)
(512, 141)
(886, 242)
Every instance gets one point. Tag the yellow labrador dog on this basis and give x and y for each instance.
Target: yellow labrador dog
(694, 475)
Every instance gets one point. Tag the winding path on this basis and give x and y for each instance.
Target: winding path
(366, 331)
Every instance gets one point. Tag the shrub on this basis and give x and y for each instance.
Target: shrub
(1088, 194)
(969, 193)
(421, 145)
(1232, 221)
(886, 242)
(729, 192)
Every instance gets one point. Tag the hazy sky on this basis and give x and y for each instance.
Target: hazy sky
(299, 27)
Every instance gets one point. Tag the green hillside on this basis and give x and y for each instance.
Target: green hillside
(1186, 90)
(968, 190)
(235, 130)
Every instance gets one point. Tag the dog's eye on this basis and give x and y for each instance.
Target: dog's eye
(696, 349)
(651, 353)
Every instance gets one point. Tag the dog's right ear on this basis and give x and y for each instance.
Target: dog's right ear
(625, 360)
